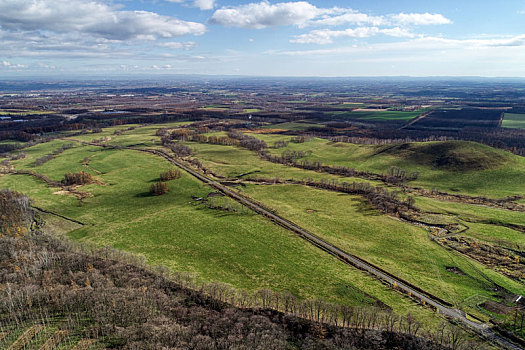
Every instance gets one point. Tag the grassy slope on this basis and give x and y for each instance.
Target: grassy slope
(513, 120)
(231, 161)
(399, 247)
(242, 249)
(475, 212)
(506, 179)
(477, 218)
(184, 252)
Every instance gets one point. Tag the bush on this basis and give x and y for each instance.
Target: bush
(16, 213)
(81, 178)
(180, 150)
(171, 174)
(159, 188)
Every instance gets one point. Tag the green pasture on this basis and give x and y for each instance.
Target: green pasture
(513, 120)
(441, 165)
(244, 250)
(484, 223)
(400, 248)
(231, 161)
(249, 252)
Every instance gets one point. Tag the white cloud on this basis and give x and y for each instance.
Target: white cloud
(348, 16)
(10, 65)
(326, 36)
(339, 16)
(301, 13)
(428, 44)
(263, 14)
(178, 45)
(420, 19)
(202, 4)
(512, 41)
(91, 17)
(398, 32)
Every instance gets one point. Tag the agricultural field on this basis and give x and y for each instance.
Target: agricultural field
(230, 162)
(246, 251)
(458, 119)
(219, 240)
(19, 113)
(251, 110)
(512, 120)
(459, 167)
(359, 229)
(216, 107)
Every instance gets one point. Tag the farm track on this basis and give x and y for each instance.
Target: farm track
(399, 284)
(415, 120)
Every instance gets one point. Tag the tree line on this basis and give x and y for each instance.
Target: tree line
(394, 175)
(44, 159)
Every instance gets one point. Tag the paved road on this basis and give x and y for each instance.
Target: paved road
(400, 284)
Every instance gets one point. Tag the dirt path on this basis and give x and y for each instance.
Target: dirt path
(442, 306)
(413, 121)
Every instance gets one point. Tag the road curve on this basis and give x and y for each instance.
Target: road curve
(481, 328)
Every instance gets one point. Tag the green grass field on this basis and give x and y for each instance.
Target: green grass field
(400, 248)
(512, 120)
(486, 224)
(249, 252)
(491, 172)
(244, 250)
(231, 161)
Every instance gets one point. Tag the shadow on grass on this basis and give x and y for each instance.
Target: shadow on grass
(144, 195)
(363, 207)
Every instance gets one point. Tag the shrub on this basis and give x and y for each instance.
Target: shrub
(81, 178)
(171, 174)
(52, 155)
(180, 150)
(159, 188)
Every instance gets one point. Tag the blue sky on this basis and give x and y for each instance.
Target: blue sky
(262, 38)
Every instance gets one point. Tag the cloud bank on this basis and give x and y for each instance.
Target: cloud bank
(92, 18)
(301, 13)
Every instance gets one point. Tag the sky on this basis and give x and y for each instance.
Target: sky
(331, 38)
